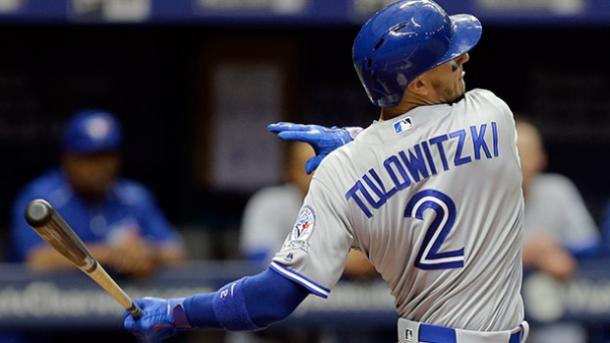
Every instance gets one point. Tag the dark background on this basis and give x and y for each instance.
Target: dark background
(151, 77)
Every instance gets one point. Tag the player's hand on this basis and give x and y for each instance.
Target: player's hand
(544, 252)
(161, 319)
(322, 139)
(558, 264)
(136, 258)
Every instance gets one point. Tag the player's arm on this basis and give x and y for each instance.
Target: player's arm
(322, 139)
(30, 248)
(310, 261)
(358, 266)
(543, 252)
(157, 242)
(44, 258)
(583, 239)
(123, 260)
(133, 259)
(250, 303)
(158, 230)
(164, 238)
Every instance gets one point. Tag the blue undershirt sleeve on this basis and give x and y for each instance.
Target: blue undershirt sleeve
(249, 303)
(586, 252)
(270, 297)
(200, 311)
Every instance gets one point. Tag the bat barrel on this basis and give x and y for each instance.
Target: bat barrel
(50, 225)
(39, 213)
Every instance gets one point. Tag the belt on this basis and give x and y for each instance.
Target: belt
(414, 332)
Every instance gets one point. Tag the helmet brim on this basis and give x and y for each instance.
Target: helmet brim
(467, 30)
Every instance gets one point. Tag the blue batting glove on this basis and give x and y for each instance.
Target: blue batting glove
(322, 139)
(161, 319)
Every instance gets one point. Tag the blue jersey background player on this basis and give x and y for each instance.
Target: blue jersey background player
(117, 218)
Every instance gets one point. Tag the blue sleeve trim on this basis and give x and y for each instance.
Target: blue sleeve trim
(302, 280)
(591, 251)
(589, 247)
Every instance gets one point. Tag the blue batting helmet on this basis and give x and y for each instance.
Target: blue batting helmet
(92, 131)
(406, 39)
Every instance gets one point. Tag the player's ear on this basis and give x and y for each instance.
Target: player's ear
(543, 159)
(419, 86)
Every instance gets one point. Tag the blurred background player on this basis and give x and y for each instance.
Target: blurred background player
(557, 225)
(270, 213)
(117, 218)
(260, 236)
(555, 213)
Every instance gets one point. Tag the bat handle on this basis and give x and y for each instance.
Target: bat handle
(101, 277)
(135, 311)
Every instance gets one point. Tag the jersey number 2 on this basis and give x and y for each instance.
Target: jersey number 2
(428, 256)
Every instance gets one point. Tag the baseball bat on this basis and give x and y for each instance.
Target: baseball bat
(50, 225)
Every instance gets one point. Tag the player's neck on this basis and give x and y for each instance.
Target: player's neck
(405, 106)
(393, 112)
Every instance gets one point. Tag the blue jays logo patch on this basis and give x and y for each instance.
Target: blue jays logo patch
(98, 128)
(303, 228)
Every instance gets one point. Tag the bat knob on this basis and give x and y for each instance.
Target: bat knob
(135, 311)
(38, 213)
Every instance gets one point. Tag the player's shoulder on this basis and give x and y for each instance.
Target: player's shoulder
(342, 164)
(483, 102)
(45, 184)
(130, 192)
(485, 96)
(52, 186)
(482, 93)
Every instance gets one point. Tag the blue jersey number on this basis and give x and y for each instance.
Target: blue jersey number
(428, 256)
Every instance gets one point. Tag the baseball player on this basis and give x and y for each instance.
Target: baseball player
(431, 193)
(117, 217)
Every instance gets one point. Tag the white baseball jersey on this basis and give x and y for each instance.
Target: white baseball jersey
(433, 198)
(260, 237)
(554, 206)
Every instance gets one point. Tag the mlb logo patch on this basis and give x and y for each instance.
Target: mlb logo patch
(289, 257)
(403, 125)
